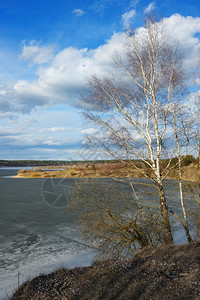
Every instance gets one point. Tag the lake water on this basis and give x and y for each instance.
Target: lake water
(37, 234)
(35, 237)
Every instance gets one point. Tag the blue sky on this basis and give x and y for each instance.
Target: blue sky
(48, 49)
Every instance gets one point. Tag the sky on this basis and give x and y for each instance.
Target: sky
(48, 50)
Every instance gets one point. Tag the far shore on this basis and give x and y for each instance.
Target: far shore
(104, 170)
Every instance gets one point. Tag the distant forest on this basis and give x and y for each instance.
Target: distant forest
(30, 163)
(36, 163)
(186, 160)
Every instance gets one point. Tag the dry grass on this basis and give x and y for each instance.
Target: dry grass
(115, 170)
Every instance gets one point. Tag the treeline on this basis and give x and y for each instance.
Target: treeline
(31, 163)
(35, 163)
(187, 160)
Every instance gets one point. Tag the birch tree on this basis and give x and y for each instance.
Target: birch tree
(179, 132)
(134, 110)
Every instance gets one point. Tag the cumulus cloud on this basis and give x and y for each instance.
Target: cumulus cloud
(78, 12)
(37, 54)
(62, 80)
(150, 8)
(127, 17)
(184, 30)
(25, 121)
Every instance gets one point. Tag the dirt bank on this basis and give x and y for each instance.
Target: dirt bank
(170, 272)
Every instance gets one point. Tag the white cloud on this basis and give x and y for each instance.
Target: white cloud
(33, 131)
(9, 131)
(62, 80)
(38, 133)
(53, 129)
(88, 131)
(184, 30)
(3, 92)
(78, 12)
(127, 17)
(37, 54)
(134, 3)
(150, 8)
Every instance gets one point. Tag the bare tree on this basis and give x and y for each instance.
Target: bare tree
(135, 111)
(110, 215)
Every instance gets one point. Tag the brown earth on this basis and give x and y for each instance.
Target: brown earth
(170, 272)
(119, 170)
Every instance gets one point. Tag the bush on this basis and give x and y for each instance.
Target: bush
(188, 159)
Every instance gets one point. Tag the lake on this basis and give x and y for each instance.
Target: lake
(35, 237)
(38, 235)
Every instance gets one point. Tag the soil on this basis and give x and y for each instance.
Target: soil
(168, 272)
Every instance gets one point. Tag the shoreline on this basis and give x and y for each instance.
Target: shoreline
(104, 170)
(166, 272)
